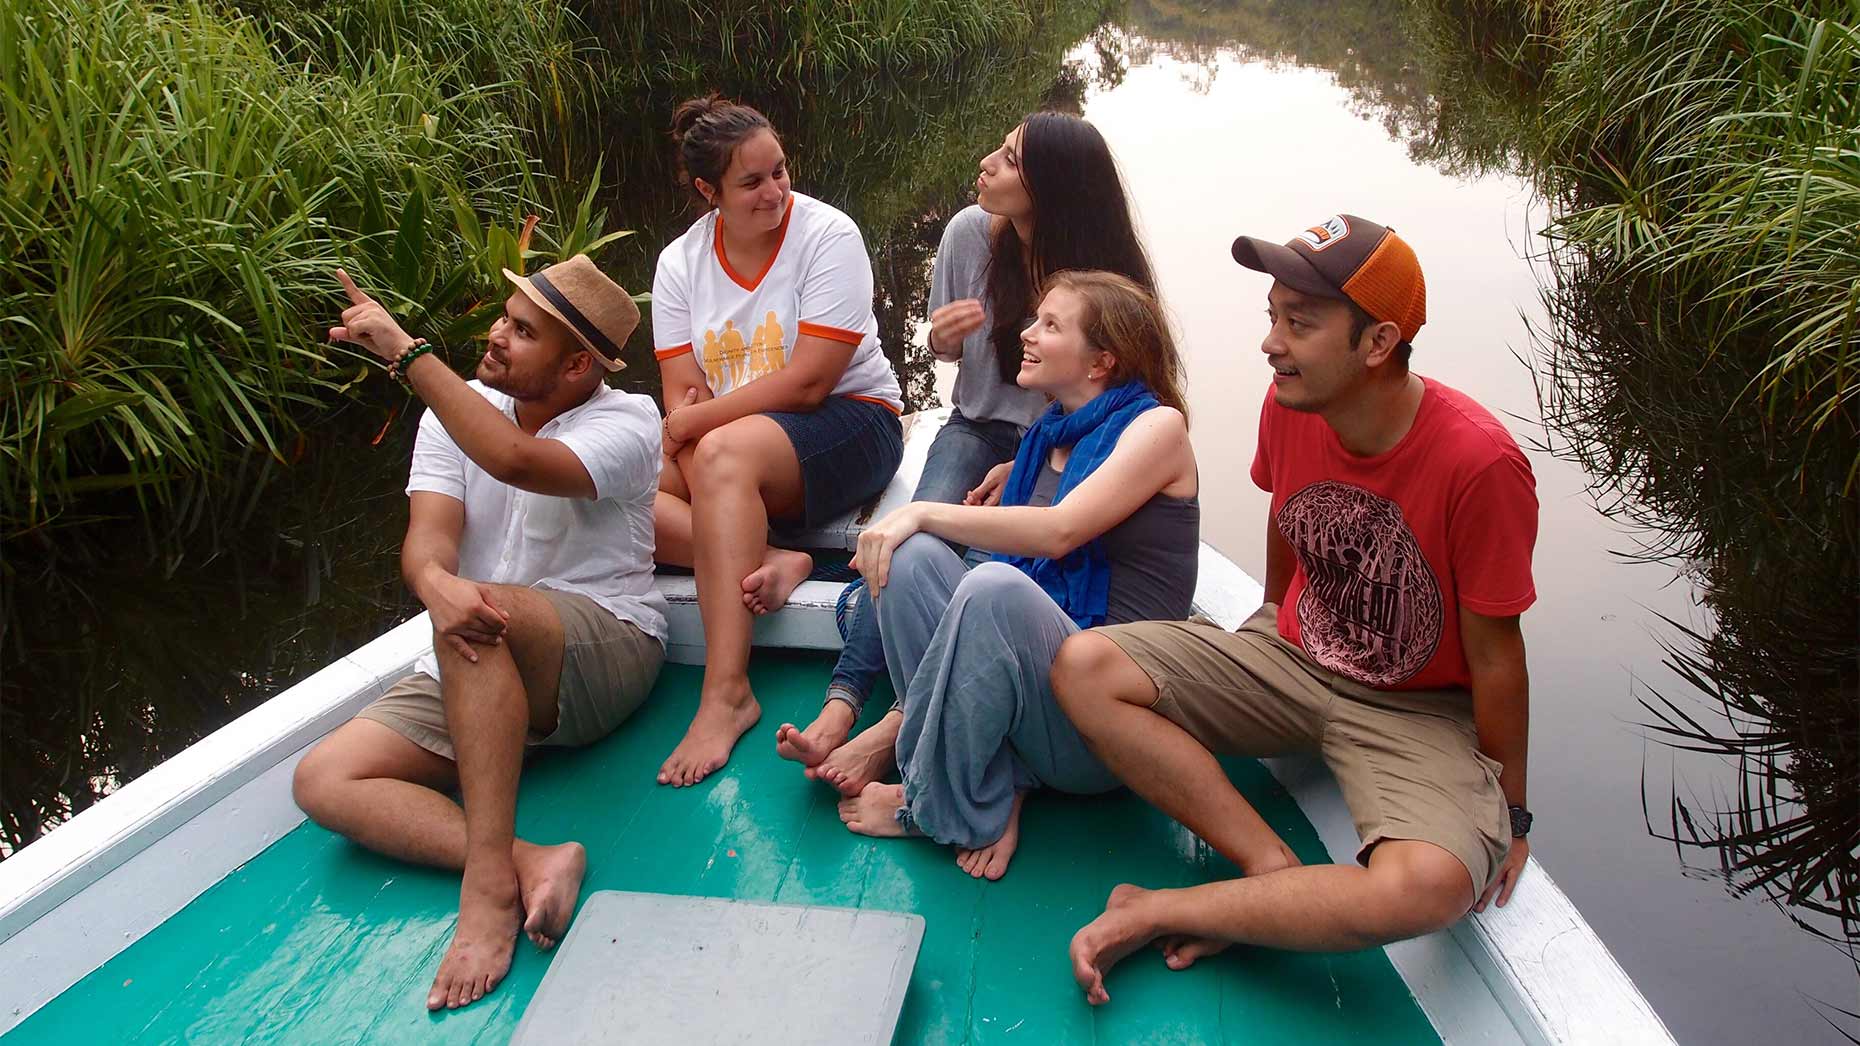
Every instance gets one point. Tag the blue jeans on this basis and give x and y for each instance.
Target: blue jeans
(963, 453)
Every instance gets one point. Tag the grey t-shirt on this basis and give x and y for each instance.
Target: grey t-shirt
(961, 271)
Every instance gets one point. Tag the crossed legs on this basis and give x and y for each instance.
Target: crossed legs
(1409, 888)
(369, 783)
(712, 514)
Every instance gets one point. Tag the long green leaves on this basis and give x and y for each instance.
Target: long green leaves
(172, 199)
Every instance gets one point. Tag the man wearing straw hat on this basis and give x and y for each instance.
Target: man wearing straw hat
(529, 540)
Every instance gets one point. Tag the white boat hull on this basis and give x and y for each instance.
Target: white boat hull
(1531, 972)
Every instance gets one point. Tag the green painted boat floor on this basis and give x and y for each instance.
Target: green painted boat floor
(318, 941)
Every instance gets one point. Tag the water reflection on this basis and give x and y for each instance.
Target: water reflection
(126, 641)
(1750, 594)
(1760, 517)
(1670, 443)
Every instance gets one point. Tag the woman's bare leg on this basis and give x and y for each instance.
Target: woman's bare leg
(671, 515)
(739, 474)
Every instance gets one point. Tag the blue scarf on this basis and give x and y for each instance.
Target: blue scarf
(1079, 581)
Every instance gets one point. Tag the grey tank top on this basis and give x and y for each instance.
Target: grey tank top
(1155, 555)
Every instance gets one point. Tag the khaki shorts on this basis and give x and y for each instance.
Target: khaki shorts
(608, 668)
(1407, 761)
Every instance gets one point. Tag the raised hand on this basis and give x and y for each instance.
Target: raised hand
(366, 323)
(951, 324)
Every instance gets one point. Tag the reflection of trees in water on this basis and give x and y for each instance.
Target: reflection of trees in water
(127, 646)
(132, 645)
(1752, 506)
(1674, 445)
(1362, 43)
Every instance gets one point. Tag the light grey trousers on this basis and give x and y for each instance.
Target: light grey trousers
(970, 653)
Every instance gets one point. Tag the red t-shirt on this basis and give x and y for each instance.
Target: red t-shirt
(1390, 547)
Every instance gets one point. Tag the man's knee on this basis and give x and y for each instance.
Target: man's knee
(318, 776)
(1423, 888)
(1090, 670)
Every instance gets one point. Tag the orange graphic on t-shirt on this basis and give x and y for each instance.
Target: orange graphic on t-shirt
(767, 353)
(716, 371)
(735, 354)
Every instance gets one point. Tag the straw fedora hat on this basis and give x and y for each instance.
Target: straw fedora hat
(599, 313)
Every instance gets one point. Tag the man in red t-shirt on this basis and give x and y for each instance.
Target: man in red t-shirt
(1398, 558)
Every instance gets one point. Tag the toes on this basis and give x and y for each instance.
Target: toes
(1087, 977)
(1184, 955)
(997, 866)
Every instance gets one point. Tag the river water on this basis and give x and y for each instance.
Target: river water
(1214, 144)
(1220, 131)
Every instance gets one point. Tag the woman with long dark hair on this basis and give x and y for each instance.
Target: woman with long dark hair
(1048, 200)
(779, 402)
(1098, 522)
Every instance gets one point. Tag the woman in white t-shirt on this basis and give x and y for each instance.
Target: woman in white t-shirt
(779, 401)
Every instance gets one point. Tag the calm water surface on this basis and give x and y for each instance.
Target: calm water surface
(1220, 145)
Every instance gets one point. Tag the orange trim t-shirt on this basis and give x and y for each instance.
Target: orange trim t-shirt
(741, 327)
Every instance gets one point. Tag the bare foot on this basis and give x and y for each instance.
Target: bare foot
(875, 811)
(479, 955)
(709, 739)
(549, 878)
(827, 732)
(991, 861)
(1122, 929)
(768, 587)
(864, 759)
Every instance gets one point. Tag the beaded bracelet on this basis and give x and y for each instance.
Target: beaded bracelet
(398, 369)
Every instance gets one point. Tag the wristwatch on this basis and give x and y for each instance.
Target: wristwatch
(1520, 821)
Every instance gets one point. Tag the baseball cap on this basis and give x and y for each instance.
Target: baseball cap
(1347, 257)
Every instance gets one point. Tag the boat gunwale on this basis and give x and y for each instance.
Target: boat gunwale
(1533, 971)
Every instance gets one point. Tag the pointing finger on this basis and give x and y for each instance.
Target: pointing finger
(355, 293)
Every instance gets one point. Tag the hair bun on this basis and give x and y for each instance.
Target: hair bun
(707, 130)
(691, 110)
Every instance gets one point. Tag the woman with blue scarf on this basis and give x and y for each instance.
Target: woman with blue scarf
(1097, 522)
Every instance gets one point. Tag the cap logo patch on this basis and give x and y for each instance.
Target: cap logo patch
(1326, 234)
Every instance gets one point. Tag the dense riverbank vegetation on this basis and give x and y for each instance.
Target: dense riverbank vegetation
(199, 499)
(1701, 167)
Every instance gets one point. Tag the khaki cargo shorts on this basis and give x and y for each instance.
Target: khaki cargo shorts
(1407, 761)
(608, 668)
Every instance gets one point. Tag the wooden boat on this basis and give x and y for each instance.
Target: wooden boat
(196, 904)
